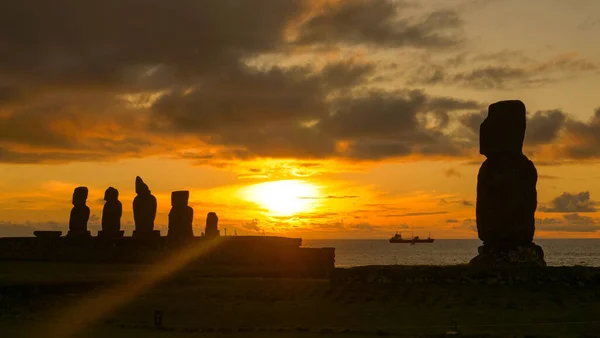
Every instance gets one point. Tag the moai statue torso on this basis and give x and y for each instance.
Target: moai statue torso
(212, 222)
(144, 208)
(111, 214)
(80, 214)
(181, 216)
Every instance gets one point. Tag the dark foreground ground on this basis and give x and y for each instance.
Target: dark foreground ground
(71, 300)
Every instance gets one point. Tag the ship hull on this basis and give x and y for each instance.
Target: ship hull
(409, 241)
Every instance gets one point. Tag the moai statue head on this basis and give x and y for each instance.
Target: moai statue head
(111, 194)
(180, 198)
(80, 195)
(212, 220)
(503, 130)
(141, 187)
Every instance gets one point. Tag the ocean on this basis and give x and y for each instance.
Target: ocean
(557, 252)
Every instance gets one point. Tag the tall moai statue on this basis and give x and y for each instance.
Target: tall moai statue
(212, 229)
(111, 215)
(144, 210)
(181, 216)
(80, 214)
(506, 191)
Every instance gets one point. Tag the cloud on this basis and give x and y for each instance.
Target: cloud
(582, 139)
(465, 203)
(451, 172)
(501, 70)
(570, 203)
(589, 23)
(553, 136)
(425, 213)
(572, 222)
(91, 44)
(252, 226)
(96, 85)
(363, 227)
(451, 221)
(379, 22)
(332, 197)
(94, 219)
(544, 126)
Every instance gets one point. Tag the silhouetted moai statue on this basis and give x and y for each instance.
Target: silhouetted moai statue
(111, 215)
(506, 191)
(181, 216)
(212, 222)
(144, 210)
(80, 214)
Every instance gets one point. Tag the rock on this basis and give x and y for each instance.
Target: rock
(181, 216)
(144, 210)
(111, 215)
(506, 190)
(212, 229)
(80, 214)
(524, 255)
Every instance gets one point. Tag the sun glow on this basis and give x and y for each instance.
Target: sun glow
(284, 198)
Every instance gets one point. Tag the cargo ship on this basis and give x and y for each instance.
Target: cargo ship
(397, 238)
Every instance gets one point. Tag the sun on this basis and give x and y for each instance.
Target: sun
(284, 198)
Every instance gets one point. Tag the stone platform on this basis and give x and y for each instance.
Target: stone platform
(393, 275)
(269, 254)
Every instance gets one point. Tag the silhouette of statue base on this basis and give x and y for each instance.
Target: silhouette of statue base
(111, 234)
(519, 256)
(47, 234)
(79, 234)
(213, 234)
(146, 234)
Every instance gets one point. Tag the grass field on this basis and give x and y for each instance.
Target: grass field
(196, 306)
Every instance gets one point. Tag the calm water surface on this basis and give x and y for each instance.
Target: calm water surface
(450, 251)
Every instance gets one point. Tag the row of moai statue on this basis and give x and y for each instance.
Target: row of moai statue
(181, 215)
(506, 191)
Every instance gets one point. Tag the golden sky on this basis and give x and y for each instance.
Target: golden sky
(311, 118)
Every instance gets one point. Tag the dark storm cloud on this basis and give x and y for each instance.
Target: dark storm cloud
(90, 43)
(266, 113)
(544, 126)
(381, 124)
(9, 94)
(583, 137)
(243, 98)
(77, 79)
(64, 128)
(10, 156)
(194, 52)
(568, 202)
(379, 22)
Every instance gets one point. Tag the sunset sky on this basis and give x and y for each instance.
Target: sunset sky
(311, 118)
